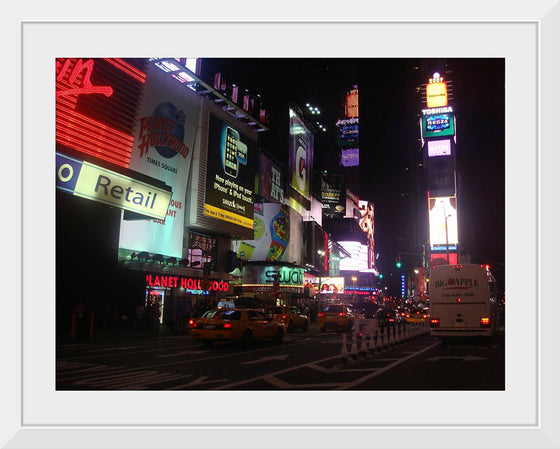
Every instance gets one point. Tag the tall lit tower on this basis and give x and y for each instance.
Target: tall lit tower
(438, 136)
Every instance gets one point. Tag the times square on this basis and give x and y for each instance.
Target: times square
(240, 231)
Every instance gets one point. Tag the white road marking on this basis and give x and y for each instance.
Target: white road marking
(466, 358)
(266, 359)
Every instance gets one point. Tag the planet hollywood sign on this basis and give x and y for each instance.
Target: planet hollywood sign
(188, 283)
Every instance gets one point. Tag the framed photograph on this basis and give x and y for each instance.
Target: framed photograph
(35, 414)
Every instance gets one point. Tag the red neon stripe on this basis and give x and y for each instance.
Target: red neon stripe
(94, 151)
(127, 68)
(72, 115)
(100, 145)
(72, 133)
(79, 120)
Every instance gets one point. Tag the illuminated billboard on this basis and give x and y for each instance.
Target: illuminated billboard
(167, 123)
(441, 259)
(333, 196)
(436, 94)
(439, 148)
(80, 178)
(358, 259)
(351, 107)
(367, 224)
(272, 234)
(438, 125)
(271, 180)
(230, 174)
(300, 162)
(332, 285)
(350, 157)
(442, 212)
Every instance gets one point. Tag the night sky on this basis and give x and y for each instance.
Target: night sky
(390, 138)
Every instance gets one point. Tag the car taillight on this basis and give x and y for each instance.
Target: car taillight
(391, 320)
(191, 322)
(434, 322)
(424, 316)
(342, 314)
(321, 314)
(484, 322)
(227, 325)
(283, 317)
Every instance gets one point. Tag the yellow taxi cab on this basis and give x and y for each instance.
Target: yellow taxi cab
(335, 316)
(290, 316)
(243, 325)
(417, 316)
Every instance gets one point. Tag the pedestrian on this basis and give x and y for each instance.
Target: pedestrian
(140, 317)
(80, 314)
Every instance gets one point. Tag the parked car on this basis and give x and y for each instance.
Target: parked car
(290, 316)
(243, 325)
(337, 317)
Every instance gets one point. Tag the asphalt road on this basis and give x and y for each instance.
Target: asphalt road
(303, 361)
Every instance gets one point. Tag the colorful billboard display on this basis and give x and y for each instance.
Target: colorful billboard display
(367, 224)
(442, 212)
(272, 233)
(332, 285)
(168, 118)
(271, 180)
(230, 174)
(438, 125)
(348, 132)
(300, 160)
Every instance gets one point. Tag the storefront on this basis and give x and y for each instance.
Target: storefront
(173, 299)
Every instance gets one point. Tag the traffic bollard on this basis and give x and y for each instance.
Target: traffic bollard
(344, 350)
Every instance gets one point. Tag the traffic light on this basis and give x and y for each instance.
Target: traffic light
(398, 263)
(380, 275)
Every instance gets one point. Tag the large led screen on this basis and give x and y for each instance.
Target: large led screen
(439, 148)
(332, 285)
(358, 259)
(272, 234)
(438, 125)
(367, 225)
(443, 222)
(230, 174)
(300, 161)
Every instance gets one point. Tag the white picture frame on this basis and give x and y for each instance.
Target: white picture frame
(35, 415)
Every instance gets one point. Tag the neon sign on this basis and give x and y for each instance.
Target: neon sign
(161, 280)
(97, 126)
(81, 72)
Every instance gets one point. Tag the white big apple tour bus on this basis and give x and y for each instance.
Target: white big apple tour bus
(463, 301)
